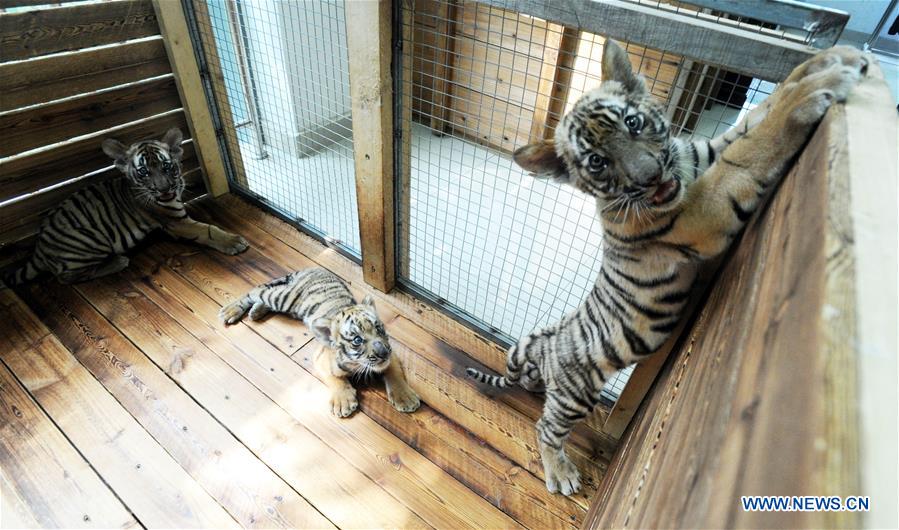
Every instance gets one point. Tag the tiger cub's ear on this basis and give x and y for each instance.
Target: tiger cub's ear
(173, 139)
(369, 301)
(617, 67)
(321, 328)
(117, 151)
(541, 160)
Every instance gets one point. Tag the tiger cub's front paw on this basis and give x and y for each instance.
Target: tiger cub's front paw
(403, 399)
(344, 402)
(232, 244)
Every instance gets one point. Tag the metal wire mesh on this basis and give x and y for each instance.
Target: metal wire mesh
(286, 81)
(510, 253)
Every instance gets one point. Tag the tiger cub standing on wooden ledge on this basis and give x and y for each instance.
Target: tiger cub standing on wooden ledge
(353, 337)
(665, 204)
(87, 235)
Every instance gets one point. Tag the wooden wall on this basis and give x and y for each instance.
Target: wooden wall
(762, 395)
(71, 76)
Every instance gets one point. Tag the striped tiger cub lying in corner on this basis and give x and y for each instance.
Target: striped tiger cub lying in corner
(354, 341)
(87, 235)
(665, 204)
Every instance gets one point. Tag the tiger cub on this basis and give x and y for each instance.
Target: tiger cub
(86, 236)
(353, 337)
(665, 205)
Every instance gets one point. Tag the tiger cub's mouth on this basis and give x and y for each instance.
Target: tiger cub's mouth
(665, 192)
(165, 197)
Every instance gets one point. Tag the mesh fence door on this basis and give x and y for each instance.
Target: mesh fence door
(281, 83)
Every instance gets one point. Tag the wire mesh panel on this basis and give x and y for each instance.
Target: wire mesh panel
(507, 252)
(284, 86)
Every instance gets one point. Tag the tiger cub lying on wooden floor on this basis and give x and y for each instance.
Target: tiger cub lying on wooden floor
(665, 204)
(87, 235)
(353, 337)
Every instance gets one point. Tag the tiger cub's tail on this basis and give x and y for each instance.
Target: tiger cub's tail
(492, 380)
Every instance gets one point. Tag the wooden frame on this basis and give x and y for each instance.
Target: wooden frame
(738, 50)
(178, 46)
(369, 30)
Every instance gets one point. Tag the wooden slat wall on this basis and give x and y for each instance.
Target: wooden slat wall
(70, 77)
(38, 32)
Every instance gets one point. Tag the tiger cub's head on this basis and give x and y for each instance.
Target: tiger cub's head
(358, 336)
(152, 166)
(614, 145)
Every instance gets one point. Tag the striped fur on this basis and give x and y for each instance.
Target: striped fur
(354, 339)
(87, 235)
(666, 204)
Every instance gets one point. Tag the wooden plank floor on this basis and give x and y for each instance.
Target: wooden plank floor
(124, 403)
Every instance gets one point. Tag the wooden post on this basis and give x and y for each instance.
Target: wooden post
(368, 39)
(173, 26)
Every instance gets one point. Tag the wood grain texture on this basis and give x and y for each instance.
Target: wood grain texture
(179, 49)
(127, 458)
(411, 478)
(761, 398)
(44, 31)
(368, 41)
(296, 441)
(872, 128)
(44, 482)
(44, 79)
(48, 124)
(255, 496)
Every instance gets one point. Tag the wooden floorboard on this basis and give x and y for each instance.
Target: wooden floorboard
(149, 482)
(289, 445)
(240, 416)
(205, 449)
(44, 482)
(420, 484)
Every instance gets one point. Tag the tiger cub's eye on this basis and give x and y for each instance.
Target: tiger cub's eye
(597, 163)
(634, 123)
(142, 171)
(357, 341)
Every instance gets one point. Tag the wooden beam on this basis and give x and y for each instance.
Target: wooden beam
(368, 40)
(736, 49)
(871, 130)
(179, 48)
